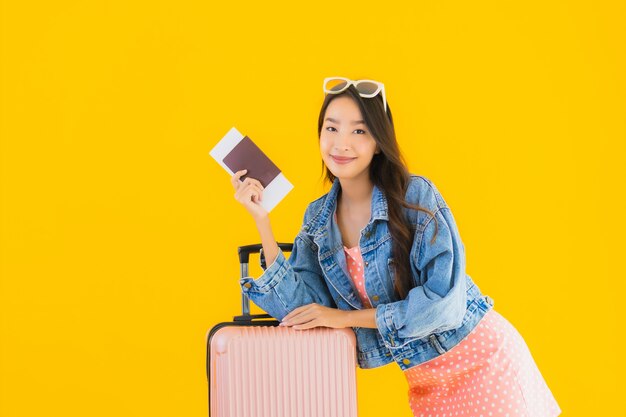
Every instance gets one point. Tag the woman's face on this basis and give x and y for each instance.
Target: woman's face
(346, 145)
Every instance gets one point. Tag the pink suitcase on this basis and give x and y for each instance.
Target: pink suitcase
(257, 369)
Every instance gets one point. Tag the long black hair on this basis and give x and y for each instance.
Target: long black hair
(388, 171)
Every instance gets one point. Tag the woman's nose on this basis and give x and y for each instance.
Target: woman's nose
(341, 142)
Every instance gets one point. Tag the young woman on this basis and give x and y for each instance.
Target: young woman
(381, 253)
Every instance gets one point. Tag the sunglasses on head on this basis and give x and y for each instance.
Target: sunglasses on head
(366, 88)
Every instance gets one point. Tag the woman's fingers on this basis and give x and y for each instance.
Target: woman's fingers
(234, 180)
(249, 192)
(237, 183)
(253, 181)
(298, 313)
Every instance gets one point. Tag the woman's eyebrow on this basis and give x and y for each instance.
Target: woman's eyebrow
(356, 122)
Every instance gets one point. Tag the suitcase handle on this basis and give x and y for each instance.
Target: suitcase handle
(244, 258)
(245, 251)
(250, 317)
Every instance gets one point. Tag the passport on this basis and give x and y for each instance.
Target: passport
(235, 152)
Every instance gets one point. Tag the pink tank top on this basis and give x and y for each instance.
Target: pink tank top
(355, 269)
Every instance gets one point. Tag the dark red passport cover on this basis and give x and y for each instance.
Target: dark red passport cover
(246, 155)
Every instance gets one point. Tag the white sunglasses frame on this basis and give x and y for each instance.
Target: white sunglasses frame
(349, 82)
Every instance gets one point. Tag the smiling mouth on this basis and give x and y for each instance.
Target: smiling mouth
(341, 159)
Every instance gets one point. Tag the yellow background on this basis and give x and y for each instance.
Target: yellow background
(119, 232)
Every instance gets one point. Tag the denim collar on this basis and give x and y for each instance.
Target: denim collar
(322, 218)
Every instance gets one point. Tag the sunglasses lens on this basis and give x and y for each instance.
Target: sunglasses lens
(336, 85)
(367, 87)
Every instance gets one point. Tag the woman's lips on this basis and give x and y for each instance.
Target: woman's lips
(342, 160)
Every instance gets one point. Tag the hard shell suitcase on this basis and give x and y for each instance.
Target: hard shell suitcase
(257, 369)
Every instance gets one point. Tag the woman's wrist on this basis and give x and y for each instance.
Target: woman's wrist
(262, 219)
(361, 318)
(270, 247)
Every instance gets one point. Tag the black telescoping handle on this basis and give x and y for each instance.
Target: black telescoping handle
(245, 251)
(244, 259)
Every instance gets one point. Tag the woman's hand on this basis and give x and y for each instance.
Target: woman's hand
(315, 315)
(249, 193)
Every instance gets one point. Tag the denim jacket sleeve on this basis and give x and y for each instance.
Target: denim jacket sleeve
(438, 302)
(290, 283)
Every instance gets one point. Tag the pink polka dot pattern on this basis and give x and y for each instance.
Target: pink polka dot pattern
(355, 267)
(490, 373)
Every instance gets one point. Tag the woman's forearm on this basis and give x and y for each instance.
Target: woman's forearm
(270, 247)
(361, 318)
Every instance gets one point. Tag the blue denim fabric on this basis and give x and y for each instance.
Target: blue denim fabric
(440, 310)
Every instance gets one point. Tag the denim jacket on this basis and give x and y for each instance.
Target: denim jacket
(442, 307)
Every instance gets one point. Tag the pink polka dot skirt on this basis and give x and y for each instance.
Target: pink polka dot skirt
(490, 373)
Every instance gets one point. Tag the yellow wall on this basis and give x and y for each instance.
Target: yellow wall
(119, 233)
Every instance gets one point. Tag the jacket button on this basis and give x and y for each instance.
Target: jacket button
(247, 285)
(368, 234)
(406, 361)
(366, 263)
(375, 298)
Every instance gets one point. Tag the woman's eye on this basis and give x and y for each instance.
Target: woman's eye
(333, 129)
